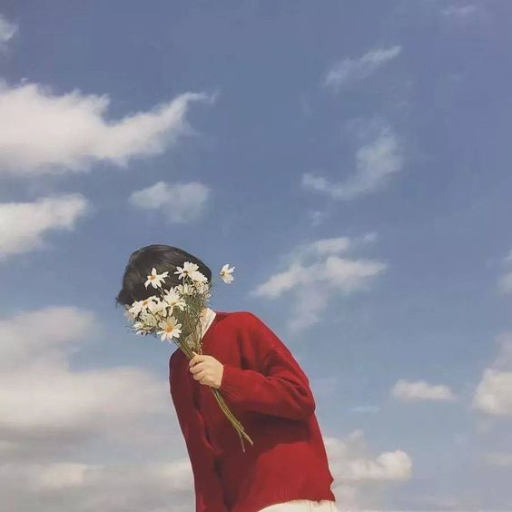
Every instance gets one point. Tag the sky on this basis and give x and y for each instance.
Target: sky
(351, 160)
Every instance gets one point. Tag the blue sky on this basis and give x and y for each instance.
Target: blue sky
(350, 159)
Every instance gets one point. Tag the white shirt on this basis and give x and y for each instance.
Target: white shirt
(302, 506)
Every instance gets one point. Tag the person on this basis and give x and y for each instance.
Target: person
(285, 468)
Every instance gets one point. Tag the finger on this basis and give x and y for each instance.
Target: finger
(197, 367)
(200, 375)
(205, 380)
(196, 359)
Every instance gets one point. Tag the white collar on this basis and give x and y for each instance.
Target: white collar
(206, 320)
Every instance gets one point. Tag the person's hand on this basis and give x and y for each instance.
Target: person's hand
(206, 369)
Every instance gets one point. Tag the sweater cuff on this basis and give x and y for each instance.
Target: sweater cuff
(231, 384)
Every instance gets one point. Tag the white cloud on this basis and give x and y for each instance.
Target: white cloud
(325, 386)
(7, 31)
(315, 273)
(460, 11)
(375, 163)
(316, 217)
(504, 284)
(43, 337)
(329, 246)
(503, 359)
(39, 393)
(421, 391)
(360, 479)
(179, 202)
(493, 394)
(80, 487)
(88, 439)
(366, 409)
(498, 459)
(46, 133)
(352, 70)
(464, 502)
(24, 225)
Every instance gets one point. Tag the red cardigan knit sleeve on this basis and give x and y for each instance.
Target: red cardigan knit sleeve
(281, 388)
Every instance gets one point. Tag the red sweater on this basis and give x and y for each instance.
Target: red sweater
(268, 392)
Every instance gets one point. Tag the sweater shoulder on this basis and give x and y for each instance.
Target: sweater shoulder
(254, 340)
(245, 324)
(242, 320)
(248, 326)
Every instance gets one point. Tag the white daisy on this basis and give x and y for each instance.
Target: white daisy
(155, 279)
(158, 307)
(185, 289)
(141, 305)
(139, 328)
(127, 313)
(203, 288)
(146, 324)
(173, 299)
(197, 277)
(225, 273)
(187, 269)
(169, 329)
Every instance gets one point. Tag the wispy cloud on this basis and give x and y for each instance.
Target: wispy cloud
(324, 386)
(316, 217)
(351, 70)
(358, 476)
(465, 501)
(493, 394)
(421, 390)
(7, 31)
(505, 283)
(178, 203)
(498, 459)
(460, 11)
(505, 280)
(315, 272)
(365, 409)
(48, 133)
(25, 225)
(375, 163)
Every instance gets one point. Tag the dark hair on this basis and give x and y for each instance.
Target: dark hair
(162, 257)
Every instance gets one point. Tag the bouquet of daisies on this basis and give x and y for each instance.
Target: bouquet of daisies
(179, 309)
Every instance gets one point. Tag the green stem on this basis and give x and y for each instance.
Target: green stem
(231, 417)
(192, 329)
